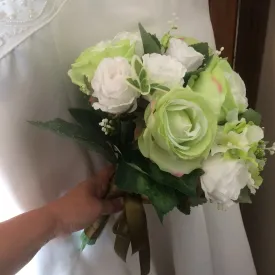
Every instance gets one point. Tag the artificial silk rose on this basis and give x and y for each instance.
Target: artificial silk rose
(180, 129)
(238, 90)
(185, 54)
(110, 86)
(83, 70)
(222, 87)
(163, 69)
(223, 179)
(213, 85)
(134, 38)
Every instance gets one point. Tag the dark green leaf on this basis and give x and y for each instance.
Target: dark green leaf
(156, 40)
(184, 206)
(149, 41)
(142, 75)
(186, 184)
(87, 118)
(81, 135)
(197, 201)
(245, 196)
(133, 83)
(127, 130)
(202, 48)
(253, 116)
(132, 180)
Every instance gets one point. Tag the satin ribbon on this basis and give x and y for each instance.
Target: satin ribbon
(131, 228)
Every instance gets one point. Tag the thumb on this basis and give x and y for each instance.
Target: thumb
(112, 206)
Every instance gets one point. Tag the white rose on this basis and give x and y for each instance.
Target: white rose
(189, 58)
(110, 86)
(238, 90)
(134, 37)
(224, 179)
(164, 69)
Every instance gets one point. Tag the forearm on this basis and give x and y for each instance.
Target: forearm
(23, 236)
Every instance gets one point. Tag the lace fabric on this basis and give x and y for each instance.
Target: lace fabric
(21, 18)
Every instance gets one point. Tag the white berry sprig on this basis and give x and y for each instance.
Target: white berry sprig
(106, 126)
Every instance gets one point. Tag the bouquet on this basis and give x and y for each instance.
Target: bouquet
(173, 117)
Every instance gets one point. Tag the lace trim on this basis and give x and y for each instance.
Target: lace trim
(21, 18)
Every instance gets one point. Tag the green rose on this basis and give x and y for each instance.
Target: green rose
(180, 129)
(82, 71)
(217, 85)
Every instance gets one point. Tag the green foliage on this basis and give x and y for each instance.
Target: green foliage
(140, 81)
(150, 42)
(92, 139)
(191, 77)
(127, 130)
(159, 87)
(253, 116)
(186, 185)
(132, 180)
(87, 117)
(202, 48)
(184, 206)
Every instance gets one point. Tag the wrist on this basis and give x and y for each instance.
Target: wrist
(53, 215)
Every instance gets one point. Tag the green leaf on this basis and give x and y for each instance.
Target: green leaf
(159, 87)
(79, 134)
(197, 201)
(245, 196)
(202, 48)
(150, 45)
(142, 75)
(87, 117)
(156, 40)
(132, 180)
(145, 87)
(127, 130)
(251, 115)
(184, 206)
(133, 83)
(186, 185)
(137, 65)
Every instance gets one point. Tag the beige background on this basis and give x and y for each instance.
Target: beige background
(260, 216)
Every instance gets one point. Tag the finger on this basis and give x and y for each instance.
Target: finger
(112, 206)
(105, 174)
(103, 179)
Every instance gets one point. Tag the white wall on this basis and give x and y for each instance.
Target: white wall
(260, 216)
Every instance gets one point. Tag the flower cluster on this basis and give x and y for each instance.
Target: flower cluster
(189, 106)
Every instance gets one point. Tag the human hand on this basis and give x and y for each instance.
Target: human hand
(83, 205)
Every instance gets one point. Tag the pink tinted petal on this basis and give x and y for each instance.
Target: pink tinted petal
(219, 86)
(153, 105)
(137, 133)
(178, 174)
(92, 100)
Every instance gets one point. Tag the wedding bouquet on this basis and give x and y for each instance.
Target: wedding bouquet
(173, 117)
